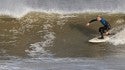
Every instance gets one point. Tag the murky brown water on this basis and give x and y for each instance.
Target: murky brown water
(42, 41)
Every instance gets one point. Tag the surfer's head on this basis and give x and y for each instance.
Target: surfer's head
(99, 18)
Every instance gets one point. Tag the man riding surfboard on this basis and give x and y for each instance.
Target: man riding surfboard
(106, 26)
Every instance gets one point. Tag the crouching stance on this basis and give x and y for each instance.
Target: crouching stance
(106, 26)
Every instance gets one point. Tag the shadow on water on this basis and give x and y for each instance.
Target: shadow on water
(83, 29)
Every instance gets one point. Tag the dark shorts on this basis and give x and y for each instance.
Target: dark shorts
(104, 29)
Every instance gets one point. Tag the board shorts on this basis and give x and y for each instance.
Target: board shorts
(104, 29)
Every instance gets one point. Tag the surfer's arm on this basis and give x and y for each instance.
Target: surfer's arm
(92, 20)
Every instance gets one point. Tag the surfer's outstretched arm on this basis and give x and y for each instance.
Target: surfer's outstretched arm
(91, 22)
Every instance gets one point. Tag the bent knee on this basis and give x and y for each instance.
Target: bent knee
(101, 29)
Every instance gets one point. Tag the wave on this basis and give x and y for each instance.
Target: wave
(118, 38)
(18, 8)
(49, 34)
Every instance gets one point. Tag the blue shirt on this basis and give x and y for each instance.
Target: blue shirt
(103, 21)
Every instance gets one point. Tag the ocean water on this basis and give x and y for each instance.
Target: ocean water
(52, 35)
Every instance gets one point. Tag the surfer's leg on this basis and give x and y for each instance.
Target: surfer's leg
(101, 30)
(107, 30)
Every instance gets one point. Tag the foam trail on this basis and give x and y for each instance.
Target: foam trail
(118, 39)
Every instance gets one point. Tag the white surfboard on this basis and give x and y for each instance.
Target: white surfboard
(96, 40)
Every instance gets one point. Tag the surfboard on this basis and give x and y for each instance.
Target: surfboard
(96, 40)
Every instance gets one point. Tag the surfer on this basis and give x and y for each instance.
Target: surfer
(106, 26)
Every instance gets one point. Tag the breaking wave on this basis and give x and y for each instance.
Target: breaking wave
(46, 34)
(44, 27)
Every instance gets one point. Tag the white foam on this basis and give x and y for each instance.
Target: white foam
(19, 8)
(38, 47)
(118, 39)
(16, 13)
(25, 10)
